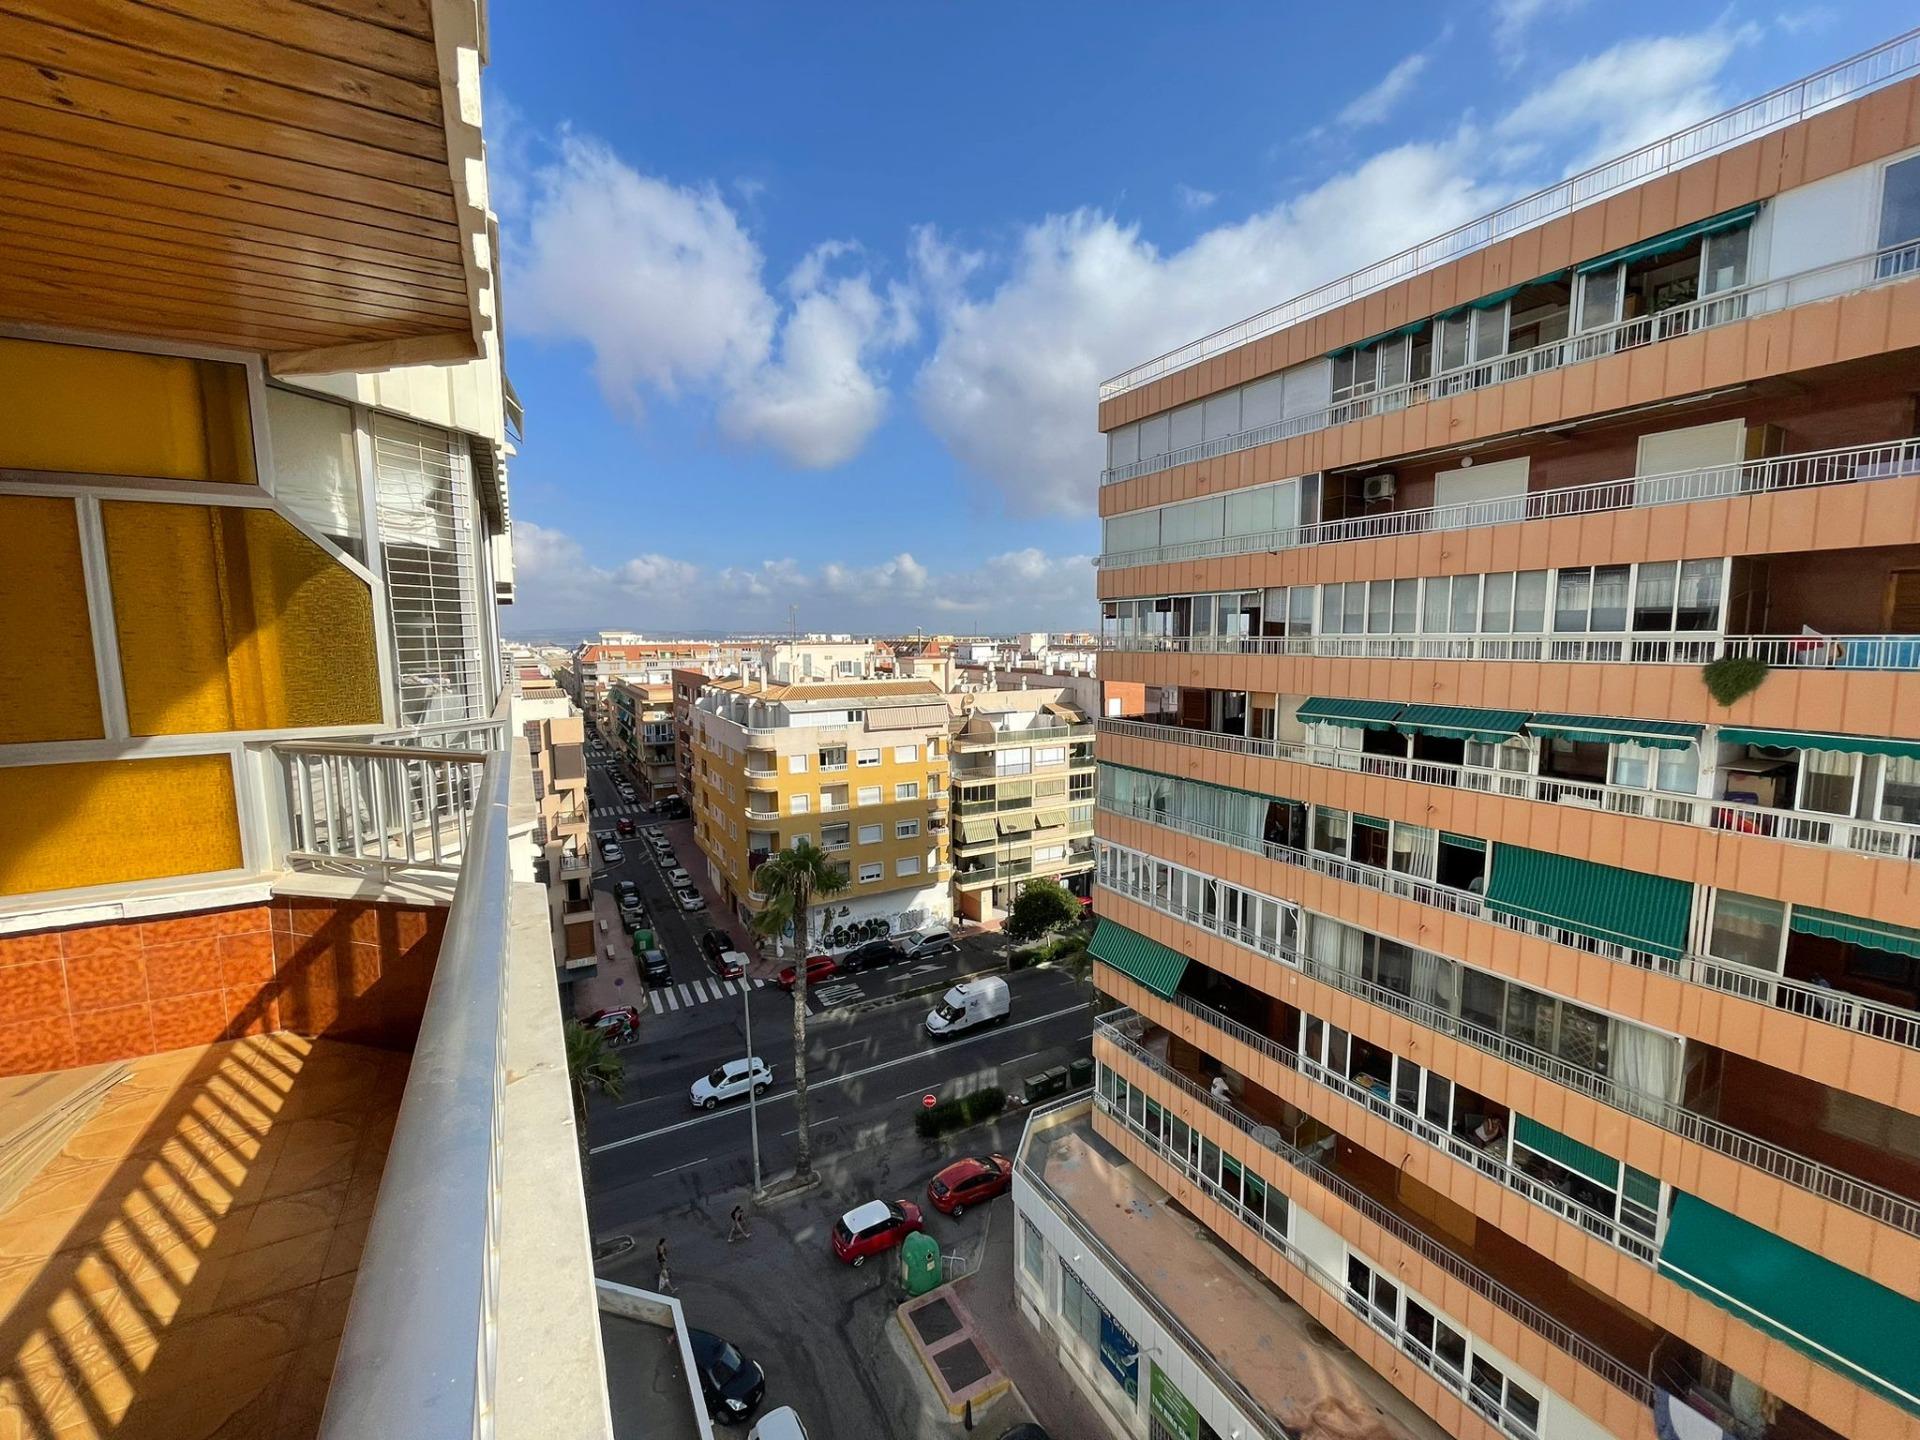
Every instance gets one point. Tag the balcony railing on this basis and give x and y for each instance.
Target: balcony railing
(392, 802)
(1115, 1027)
(1032, 735)
(1812, 469)
(1888, 838)
(1786, 1165)
(1803, 652)
(1865, 72)
(575, 864)
(1892, 1023)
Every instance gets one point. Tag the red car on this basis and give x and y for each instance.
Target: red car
(875, 1226)
(726, 963)
(819, 967)
(626, 825)
(617, 1022)
(970, 1182)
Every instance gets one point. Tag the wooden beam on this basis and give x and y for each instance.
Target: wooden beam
(447, 347)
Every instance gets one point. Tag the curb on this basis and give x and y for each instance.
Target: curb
(784, 1190)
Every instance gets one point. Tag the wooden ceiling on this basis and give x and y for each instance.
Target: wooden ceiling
(274, 175)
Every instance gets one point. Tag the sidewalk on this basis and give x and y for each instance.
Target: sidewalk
(617, 982)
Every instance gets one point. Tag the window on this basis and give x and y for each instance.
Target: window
(1828, 781)
(869, 795)
(1639, 767)
(871, 872)
(833, 837)
(799, 804)
(1900, 216)
(870, 834)
(868, 757)
(907, 790)
(906, 830)
(833, 757)
(1033, 1251)
(1050, 755)
(796, 764)
(906, 754)
(907, 865)
(1600, 297)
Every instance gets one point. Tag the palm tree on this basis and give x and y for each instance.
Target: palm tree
(591, 1065)
(792, 880)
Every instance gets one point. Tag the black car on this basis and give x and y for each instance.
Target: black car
(653, 968)
(715, 943)
(872, 955)
(733, 1385)
(628, 894)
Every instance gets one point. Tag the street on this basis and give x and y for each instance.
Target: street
(658, 1168)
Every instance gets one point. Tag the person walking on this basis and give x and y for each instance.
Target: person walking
(737, 1229)
(665, 1283)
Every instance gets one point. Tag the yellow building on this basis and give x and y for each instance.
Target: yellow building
(857, 767)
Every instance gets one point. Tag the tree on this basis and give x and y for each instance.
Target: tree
(591, 1065)
(792, 880)
(1044, 905)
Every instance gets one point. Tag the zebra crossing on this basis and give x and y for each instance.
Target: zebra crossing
(697, 992)
(616, 811)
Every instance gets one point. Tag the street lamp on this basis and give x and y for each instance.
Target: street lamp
(753, 1090)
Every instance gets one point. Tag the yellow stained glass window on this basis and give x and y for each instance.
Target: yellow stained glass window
(105, 822)
(80, 410)
(231, 619)
(46, 639)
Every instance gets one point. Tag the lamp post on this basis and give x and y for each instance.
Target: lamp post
(753, 1090)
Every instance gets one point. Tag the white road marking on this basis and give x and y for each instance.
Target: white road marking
(658, 1008)
(831, 1081)
(688, 1166)
(1018, 1058)
(683, 996)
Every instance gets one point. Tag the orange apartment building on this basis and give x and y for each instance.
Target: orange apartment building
(1510, 921)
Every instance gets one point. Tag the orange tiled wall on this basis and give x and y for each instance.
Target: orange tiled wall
(352, 971)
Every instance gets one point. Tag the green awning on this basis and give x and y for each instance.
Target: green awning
(1498, 297)
(1606, 730)
(1156, 966)
(1814, 740)
(1642, 1188)
(1874, 934)
(1856, 1328)
(1459, 722)
(975, 832)
(1049, 819)
(1665, 244)
(1372, 714)
(1465, 842)
(1602, 902)
(1015, 824)
(1598, 1167)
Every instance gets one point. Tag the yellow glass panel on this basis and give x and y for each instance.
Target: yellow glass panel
(105, 822)
(46, 640)
(231, 619)
(79, 410)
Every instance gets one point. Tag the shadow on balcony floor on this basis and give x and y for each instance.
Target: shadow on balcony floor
(182, 1268)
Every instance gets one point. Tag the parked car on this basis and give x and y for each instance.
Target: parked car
(925, 944)
(655, 833)
(969, 1182)
(679, 879)
(627, 793)
(611, 853)
(985, 1001)
(731, 1081)
(872, 955)
(1024, 1432)
(732, 1385)
(874, 1227)
(617, 1021)
(781, 1424)
(634, 919)
(625, 825)
(690, 899)
(628, 894)
(716, 943)
(819, 967)
(654, 969)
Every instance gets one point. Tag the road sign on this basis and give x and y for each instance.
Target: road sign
(926, 1102)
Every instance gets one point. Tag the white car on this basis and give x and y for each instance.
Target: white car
(925, 944)
(690, 899)
(654, 832)
(679, 879)
(781, 1424)
(731, 1081)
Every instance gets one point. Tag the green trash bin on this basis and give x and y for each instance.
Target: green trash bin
(1080, 1071)
(642, 942)
(919, 1264)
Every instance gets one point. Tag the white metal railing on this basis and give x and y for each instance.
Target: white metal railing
(1808, 470)
(390, 803)
(1826, 282)
(1858, 75)
(1111, 1028)
(964, 742)
(1803, 652)
(1795, 1169)
(1890, 838)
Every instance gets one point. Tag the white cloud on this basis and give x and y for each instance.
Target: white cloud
(1513, 18)
(1194, 199)
(666, 286)
(1020, 589)
(1375, 104)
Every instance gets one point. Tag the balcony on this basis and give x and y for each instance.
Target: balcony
(1726, 307)
(968, 876)
(571, 864)
(1819, 91)
(1033, 735)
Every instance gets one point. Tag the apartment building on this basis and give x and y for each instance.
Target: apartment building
(812, 657)
(687, 684)
(642, 735)
(860, 768)
(597, 666)
(555, 734)
(257, 780)
(1022, 796)
(1509, 906)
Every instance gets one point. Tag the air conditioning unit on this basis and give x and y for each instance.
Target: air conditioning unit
(1378, 487)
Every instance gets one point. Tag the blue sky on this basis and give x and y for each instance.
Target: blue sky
(808, 304)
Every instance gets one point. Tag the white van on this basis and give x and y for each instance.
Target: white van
(972, 1002)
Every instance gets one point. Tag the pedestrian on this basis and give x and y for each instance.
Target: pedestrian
(738, 1226)
(665, 1283)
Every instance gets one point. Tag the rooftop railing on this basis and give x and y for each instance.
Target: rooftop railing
(1840, 466)
(1851, 78)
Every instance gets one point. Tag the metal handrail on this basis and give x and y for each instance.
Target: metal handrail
(1795, 1169)
(1614, 1371)
(419, 1355)
(1857, 75)
(1842, 465)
